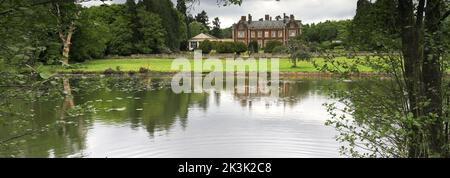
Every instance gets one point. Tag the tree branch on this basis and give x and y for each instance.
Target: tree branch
(446, 14)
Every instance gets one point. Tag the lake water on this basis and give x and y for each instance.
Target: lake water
(142, 117)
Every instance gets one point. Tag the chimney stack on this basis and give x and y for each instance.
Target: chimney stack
(250, 19)
(243, 18)
(278, 18)
(284, 17)
(267, 17)
(292, 17)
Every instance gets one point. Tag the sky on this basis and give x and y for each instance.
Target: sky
(309, 11)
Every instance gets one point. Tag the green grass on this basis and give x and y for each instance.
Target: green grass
(164, 65)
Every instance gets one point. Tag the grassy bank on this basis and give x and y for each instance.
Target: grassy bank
(164, 65)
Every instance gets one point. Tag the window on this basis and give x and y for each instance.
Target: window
(260, 43)
(194, 45)
(260, 34)
(292, 33)
(253, 34)
(241, 34)
(266, 34)
(274, 34)
(280, 33)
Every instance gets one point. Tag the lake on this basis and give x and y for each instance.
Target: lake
(142, 117)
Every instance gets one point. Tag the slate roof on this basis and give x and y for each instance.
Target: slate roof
(267, 24)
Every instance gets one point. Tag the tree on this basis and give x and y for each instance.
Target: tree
(216, 31)
(411, 119)
(153, 34)
(170, 20)
(91, 39)
(227, 32)
(66, 13)
(298, 50)
(202, 17)
(131, 13)
(184, 28)
(374, 22)
(197, 28)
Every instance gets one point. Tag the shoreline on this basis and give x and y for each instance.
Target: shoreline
(171, 74)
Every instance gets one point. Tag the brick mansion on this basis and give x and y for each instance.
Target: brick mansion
(267, 29)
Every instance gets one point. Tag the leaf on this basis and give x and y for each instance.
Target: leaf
(45, 75)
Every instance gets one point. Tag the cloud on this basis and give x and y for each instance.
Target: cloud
(309, 11)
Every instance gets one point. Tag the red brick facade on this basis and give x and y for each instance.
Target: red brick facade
(266, 30)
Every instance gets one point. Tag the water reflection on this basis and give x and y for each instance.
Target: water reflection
(142, 117)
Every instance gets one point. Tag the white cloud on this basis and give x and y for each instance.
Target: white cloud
(309, 11)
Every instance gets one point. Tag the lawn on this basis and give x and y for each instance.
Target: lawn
(164, 65)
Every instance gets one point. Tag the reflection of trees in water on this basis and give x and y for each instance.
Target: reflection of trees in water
(149, 103)
(51, 134)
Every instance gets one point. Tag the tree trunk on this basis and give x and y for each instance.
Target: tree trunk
(411, 54)
(67, 42)
(432, 75)
(65, 33)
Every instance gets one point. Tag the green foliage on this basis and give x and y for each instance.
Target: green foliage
(196, 28)
(224, 47)
(375, 25)
(203, 18)
(226, 33)
(90, 40)
(327, 31)
(280, 50)
(230, 47)
(152, 33)
(253, 47)
(206, 46)
(216, 31)
(271, 45)
(298, 50)
(170, 20)
(240, 47)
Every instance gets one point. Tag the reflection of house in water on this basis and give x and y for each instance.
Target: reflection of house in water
(248, 93)
(289, 93)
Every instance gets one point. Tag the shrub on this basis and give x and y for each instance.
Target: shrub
(253, 47)
(225, 47)
(206, 46)
(280, 50)
(108, 71)
(240, 47)
(271, 45)
(143, 70)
